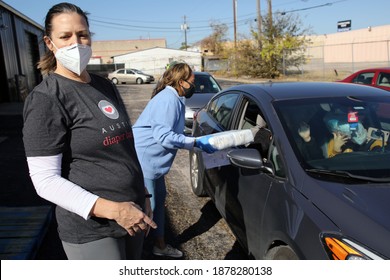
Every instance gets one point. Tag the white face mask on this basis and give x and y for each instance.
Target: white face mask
(74, 57)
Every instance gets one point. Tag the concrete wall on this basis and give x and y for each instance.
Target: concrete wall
(337, 55)
(366, 45)
(154, 61)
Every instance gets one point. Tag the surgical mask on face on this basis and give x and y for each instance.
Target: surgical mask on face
(360, 135)
(74, 57)
(188, 92)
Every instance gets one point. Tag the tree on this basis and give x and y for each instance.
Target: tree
(214, 42)
(283, 42)
(279, 46)
(183, 46)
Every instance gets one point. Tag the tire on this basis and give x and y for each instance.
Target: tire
(139, 81)
(283, 252)
(115, 81)
(197, 175)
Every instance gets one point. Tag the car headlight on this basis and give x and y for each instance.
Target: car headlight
(342, 248)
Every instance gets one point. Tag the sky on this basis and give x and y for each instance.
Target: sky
(156, 19)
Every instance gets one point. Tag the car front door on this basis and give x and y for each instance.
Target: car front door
(245, 191)
(121, 75)
(130, 76)
(220, 113)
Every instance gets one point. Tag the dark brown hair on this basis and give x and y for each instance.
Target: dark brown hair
(172, 76)
(48, 62)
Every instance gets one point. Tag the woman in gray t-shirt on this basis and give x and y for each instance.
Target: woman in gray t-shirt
(80, 148)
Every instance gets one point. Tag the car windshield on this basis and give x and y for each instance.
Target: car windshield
(342, 136)
(137, 71)
(206, 84)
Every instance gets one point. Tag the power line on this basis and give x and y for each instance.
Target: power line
(133, 26)
(174, 27)
(243, 20)
(312, 7)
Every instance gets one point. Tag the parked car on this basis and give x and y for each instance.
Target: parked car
(376, 77)
(205, 88)
(283, 202)
(130, 76)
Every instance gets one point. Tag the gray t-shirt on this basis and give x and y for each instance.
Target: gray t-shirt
(89, 125)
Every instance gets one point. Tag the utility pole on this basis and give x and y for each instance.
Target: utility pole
(259, 21)
(184, 27)
(270, 15)
(235, 23)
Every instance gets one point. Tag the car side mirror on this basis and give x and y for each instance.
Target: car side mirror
(248, 158)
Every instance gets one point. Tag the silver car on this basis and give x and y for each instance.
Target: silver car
(130, 76)
(205, 88)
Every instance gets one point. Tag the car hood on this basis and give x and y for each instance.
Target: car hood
(198, 100)
(359, 211)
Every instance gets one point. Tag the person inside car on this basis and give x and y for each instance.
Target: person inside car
(349, 137)
(309, 147)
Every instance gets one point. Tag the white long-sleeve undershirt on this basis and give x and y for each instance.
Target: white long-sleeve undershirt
(45, 173)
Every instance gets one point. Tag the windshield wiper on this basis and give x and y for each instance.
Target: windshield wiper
(346, 174)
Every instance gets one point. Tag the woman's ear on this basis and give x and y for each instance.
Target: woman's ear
(179, 88)
(48, 43)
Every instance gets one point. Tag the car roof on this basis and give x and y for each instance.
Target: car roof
(297, 90)
(201, 73)
(374, 69)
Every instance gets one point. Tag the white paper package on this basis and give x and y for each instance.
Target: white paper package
(232, 138)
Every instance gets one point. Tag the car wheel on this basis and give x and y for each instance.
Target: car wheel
(139, 81)
(115, 81)
(282, 252)
(196, 174)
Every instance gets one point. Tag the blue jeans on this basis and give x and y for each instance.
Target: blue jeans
(158, 190)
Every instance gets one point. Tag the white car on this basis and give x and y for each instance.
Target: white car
(130, 76)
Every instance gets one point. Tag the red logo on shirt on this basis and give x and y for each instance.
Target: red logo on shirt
(108, 109)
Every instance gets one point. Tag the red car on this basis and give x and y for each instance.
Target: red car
(375, 77)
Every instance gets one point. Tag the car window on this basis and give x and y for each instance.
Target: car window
(221, 108)
(364, 78)
(382, 111)
(276, 160)
(129, 71)
(361, 127)
(214, 86)
(383, 80)
(122, 71)
(251, 116)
